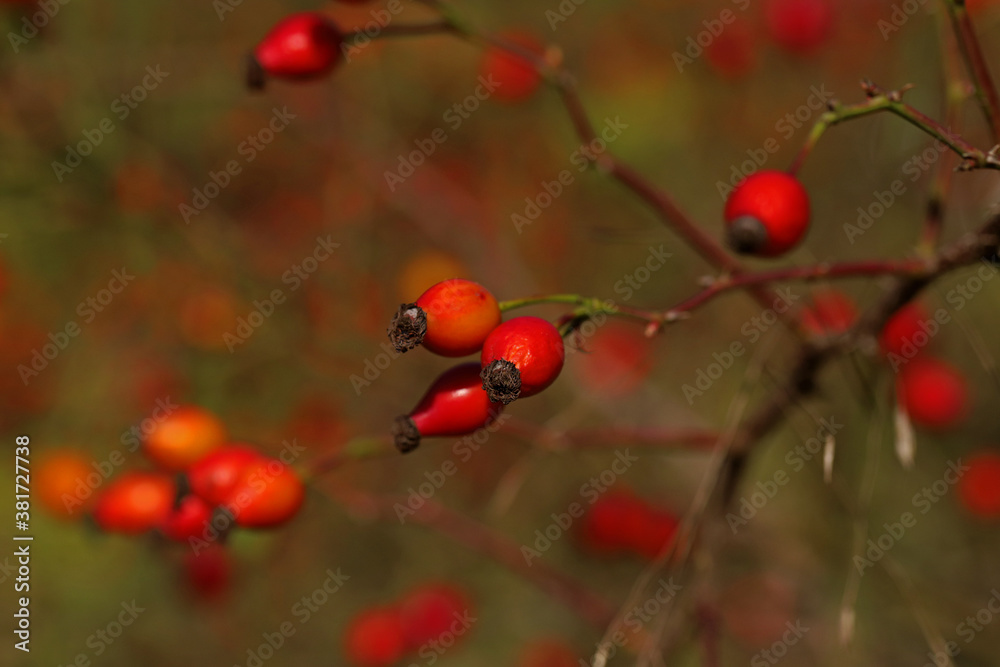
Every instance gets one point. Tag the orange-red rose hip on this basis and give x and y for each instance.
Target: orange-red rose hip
(451, 319)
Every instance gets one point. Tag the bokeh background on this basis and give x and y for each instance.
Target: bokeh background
(322, 176)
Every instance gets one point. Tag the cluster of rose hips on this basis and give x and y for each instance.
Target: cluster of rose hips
(429, 618)
(456, 318)
(307, 45)
(203, 487)
(620, 522)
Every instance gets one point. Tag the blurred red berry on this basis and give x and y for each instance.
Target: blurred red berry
(430, 611)
(135, 502)
(268, 493)
(799, 26)
(214, 477)
(61, 482)
(184, 436)
(374, 638)
(904, 331)
(189, 519)
(979, 487)
(516, 78)
(300, 47)
(616, 359)
(934, 393)
(733, 53)
(830, 313)
(208, 572)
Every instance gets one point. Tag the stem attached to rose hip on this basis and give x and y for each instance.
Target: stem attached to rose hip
(891, 101)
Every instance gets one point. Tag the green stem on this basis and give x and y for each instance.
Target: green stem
(878, 101)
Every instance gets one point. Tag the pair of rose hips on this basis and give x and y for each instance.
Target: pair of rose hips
(455, 318)
(200, 473)
(381, 636)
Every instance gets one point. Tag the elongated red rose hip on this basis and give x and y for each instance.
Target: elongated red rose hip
(299, 47)
(520, 358)
(452, 318)
(455, 404)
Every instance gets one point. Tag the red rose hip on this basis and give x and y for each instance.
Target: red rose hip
(935, 394)
(979, 486)
(135, 502)
(214, 477)
(374, 638)
(767, 214)
(455, 404)
(452, 319)
(300, 47)
(520, 358)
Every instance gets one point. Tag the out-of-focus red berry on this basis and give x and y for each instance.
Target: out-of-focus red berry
(799, 26)
(616, 359)
(135, 502)
(767, 214)
(208, 572)
(374, 638)
(733, 53)
(214, 476)
(268, 493)
(979, 486)
(935, 394)
(184, 436)
(187, 520)
(61, 483)
(430, 611)
(516, 78)
(900, 333)
(830, 313)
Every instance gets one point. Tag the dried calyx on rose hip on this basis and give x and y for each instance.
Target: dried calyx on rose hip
(767, 214)
(520, 358)
(452, 319)
(300, 47)
(455, 404)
